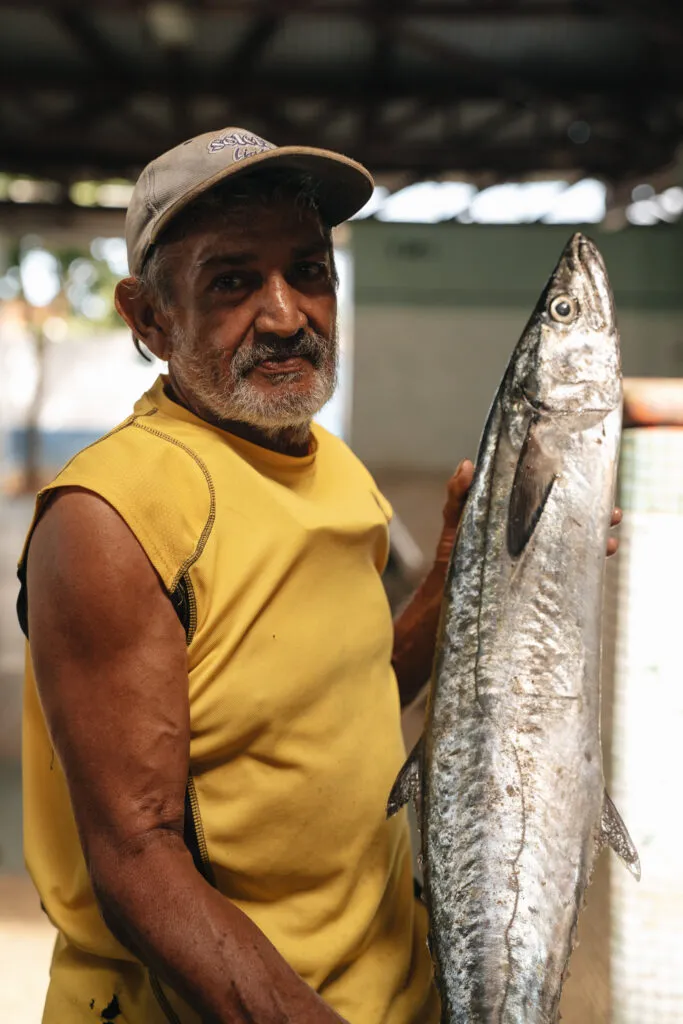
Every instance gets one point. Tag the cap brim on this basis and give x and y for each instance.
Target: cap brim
(344, 186)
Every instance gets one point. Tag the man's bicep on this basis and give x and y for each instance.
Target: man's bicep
(110, 663)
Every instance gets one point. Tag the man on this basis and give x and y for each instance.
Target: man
(212, 720)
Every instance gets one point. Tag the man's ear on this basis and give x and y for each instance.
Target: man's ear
(134, 306)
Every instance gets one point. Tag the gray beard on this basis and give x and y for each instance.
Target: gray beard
(226, 393)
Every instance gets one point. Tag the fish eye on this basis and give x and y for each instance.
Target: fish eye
(564, 309)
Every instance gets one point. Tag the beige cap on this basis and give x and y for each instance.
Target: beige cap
(178, 176)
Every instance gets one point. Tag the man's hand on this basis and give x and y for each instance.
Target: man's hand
(457, 491)
(613, 542)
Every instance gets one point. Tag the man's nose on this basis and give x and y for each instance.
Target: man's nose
(279, 312)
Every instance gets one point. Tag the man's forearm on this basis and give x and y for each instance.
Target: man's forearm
(415, 635)
(158, 905)
(416, 627)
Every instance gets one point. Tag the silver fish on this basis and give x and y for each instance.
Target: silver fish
(508, 777)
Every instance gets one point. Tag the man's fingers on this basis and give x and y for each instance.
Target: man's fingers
(458, 486)
(459, 483)
(613, 543)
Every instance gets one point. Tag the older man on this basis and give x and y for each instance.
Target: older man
(213, 687)
(212, 710)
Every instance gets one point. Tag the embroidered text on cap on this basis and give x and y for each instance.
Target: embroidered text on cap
(243, 144)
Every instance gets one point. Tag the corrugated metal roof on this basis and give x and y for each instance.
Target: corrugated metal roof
(425, 87)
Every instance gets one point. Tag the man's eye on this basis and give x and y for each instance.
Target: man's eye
(228, 283)
(313, 270)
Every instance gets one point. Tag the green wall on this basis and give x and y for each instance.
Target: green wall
(506, 266)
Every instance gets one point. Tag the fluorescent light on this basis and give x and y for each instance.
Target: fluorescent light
(427, 202)
(582, 203)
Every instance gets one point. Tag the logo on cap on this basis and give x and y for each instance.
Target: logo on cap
(243, 144)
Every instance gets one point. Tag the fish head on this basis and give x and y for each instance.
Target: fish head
(568, 358)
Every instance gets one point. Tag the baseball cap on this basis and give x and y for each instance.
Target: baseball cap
(178, 176)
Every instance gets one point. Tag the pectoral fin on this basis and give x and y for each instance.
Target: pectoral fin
(534, 477)
(407, 785)
(614, 833)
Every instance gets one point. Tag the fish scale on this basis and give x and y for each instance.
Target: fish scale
(508, 778)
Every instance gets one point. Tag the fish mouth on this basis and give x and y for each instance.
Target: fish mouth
(536, 404)
(583, 264)
(584, 250)
(539, 408)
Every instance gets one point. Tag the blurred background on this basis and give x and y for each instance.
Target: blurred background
(494, 128)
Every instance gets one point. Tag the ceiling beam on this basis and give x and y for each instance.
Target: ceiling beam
(240, 62)
(490, 126)
(447, 86)
(613, 159)
(660, 21)
(61, 221)
(378, 67)
(80, 28)
(433, 9)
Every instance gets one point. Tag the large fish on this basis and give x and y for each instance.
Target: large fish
(508, 778)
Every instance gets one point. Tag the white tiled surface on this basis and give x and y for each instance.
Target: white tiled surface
(647, 942)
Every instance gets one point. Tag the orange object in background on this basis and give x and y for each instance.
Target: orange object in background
(653, 402)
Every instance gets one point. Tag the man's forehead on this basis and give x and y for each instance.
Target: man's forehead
(286, 223)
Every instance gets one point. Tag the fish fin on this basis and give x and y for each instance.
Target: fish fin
(614, 833)
(534, 478)
(407, 785)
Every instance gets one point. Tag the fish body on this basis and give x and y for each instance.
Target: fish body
(508, 776)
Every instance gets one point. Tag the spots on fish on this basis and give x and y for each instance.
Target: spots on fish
(588, 756)
(465, 930)
(514, 884)
(544, 660)
(529, 728)
(468, 865)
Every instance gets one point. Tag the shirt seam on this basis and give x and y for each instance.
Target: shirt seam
(211, 517)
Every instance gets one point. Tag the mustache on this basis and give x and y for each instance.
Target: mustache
(306, 344)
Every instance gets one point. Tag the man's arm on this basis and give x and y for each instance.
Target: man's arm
(415, 627)
(111, 667)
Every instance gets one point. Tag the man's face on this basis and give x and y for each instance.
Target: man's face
(253, 323)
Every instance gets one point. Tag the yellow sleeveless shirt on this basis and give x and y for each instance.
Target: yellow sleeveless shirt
(273, 563)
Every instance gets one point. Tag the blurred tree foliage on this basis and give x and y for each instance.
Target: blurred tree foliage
(81, 279)
(58, 292)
